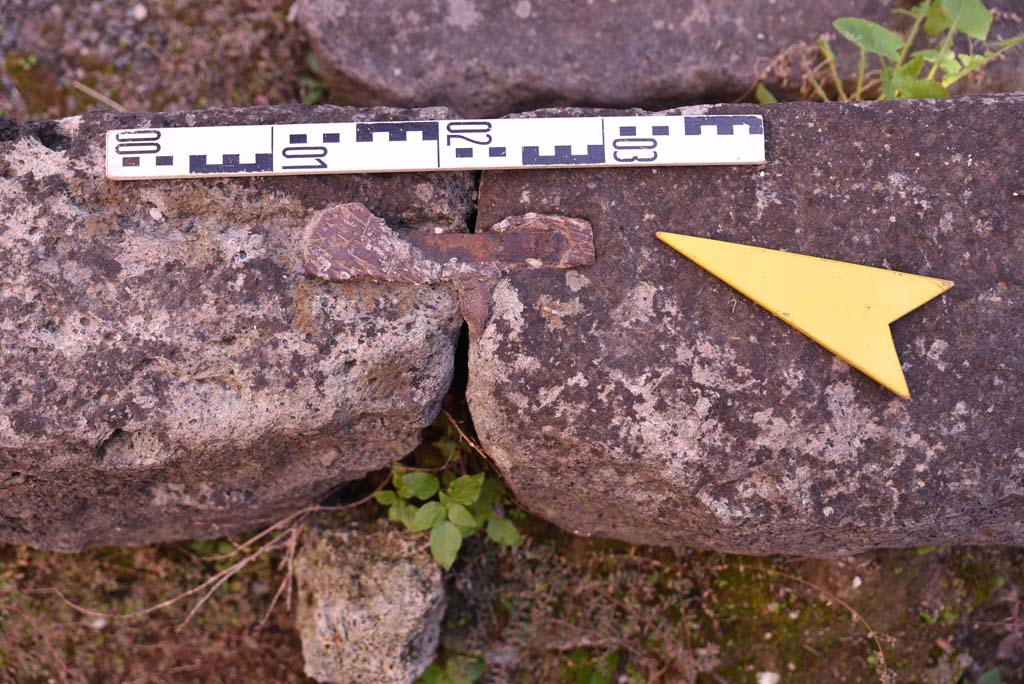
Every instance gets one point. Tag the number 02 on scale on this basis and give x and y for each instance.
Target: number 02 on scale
(384, 146)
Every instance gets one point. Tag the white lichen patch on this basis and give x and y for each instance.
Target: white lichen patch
(935, 352)
(763, 199)
(487, 365)
(637, 306)
(554, 311)
(946, 223)
(850, 427)
(508, 308)
(576, 281)
(523, 9)
(673, 432)
(425, 192)
(716, 368)
(463, 14)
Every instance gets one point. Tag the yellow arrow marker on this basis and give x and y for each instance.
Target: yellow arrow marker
(844, 307)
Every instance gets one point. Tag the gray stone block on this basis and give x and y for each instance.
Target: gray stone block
(167, 368)
(369, 605)
(640, 398)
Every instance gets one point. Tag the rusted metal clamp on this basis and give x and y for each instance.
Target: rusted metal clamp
(347, 242)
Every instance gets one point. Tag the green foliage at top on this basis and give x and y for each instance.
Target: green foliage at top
(449, 507)
(905, 73)
(870, 36)
(968, 16)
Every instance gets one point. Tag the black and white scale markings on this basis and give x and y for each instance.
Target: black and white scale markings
(288, 149)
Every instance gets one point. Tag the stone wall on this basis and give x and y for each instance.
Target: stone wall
(167, 369)
(640, 398)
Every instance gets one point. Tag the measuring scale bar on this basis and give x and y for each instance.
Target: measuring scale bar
(362, 147)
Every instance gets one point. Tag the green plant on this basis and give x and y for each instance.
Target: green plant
(992, 676)
(312, 89)
(905, 73)
(458, 669)
(583, 668)
(26, 62)
(452, 508)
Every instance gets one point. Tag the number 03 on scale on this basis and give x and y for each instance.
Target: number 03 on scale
(367, 147)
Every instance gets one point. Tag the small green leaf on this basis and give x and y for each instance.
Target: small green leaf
(447, 447)
(969, 16)
(503, 531)
(397, 473)
(458, 514)
(936, 21)
(948, 62)
(311, 63)
(763, 95)
(427, 516)
(445, 499)
(912, 68)
(919, 89)
(432, 675)
(481, 511)
(395, 512)
(408, 515)
(914, 11)
(422, 485)
(971, 62)
(458, 669)
(826, 49)
(466, 670)
(445, 541)
(491, 491)
(475, 670)
(870, 36)
(888, 90)
(385, 497)
(992, 676)
(466, 489)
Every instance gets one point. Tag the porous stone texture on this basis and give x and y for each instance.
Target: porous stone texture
(640, 398)
(493, 57)
(370, 603)
(167, 368)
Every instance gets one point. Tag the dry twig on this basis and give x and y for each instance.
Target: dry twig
(98, 96)
(292, 526)
(470, 441)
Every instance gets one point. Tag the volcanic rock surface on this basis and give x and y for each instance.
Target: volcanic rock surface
(641, 398)
(370, 603)
(167, 368)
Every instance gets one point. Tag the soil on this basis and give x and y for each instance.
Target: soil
(557, 609)
(168, 55)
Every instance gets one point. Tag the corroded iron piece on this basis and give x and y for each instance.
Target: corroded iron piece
(347, 242)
